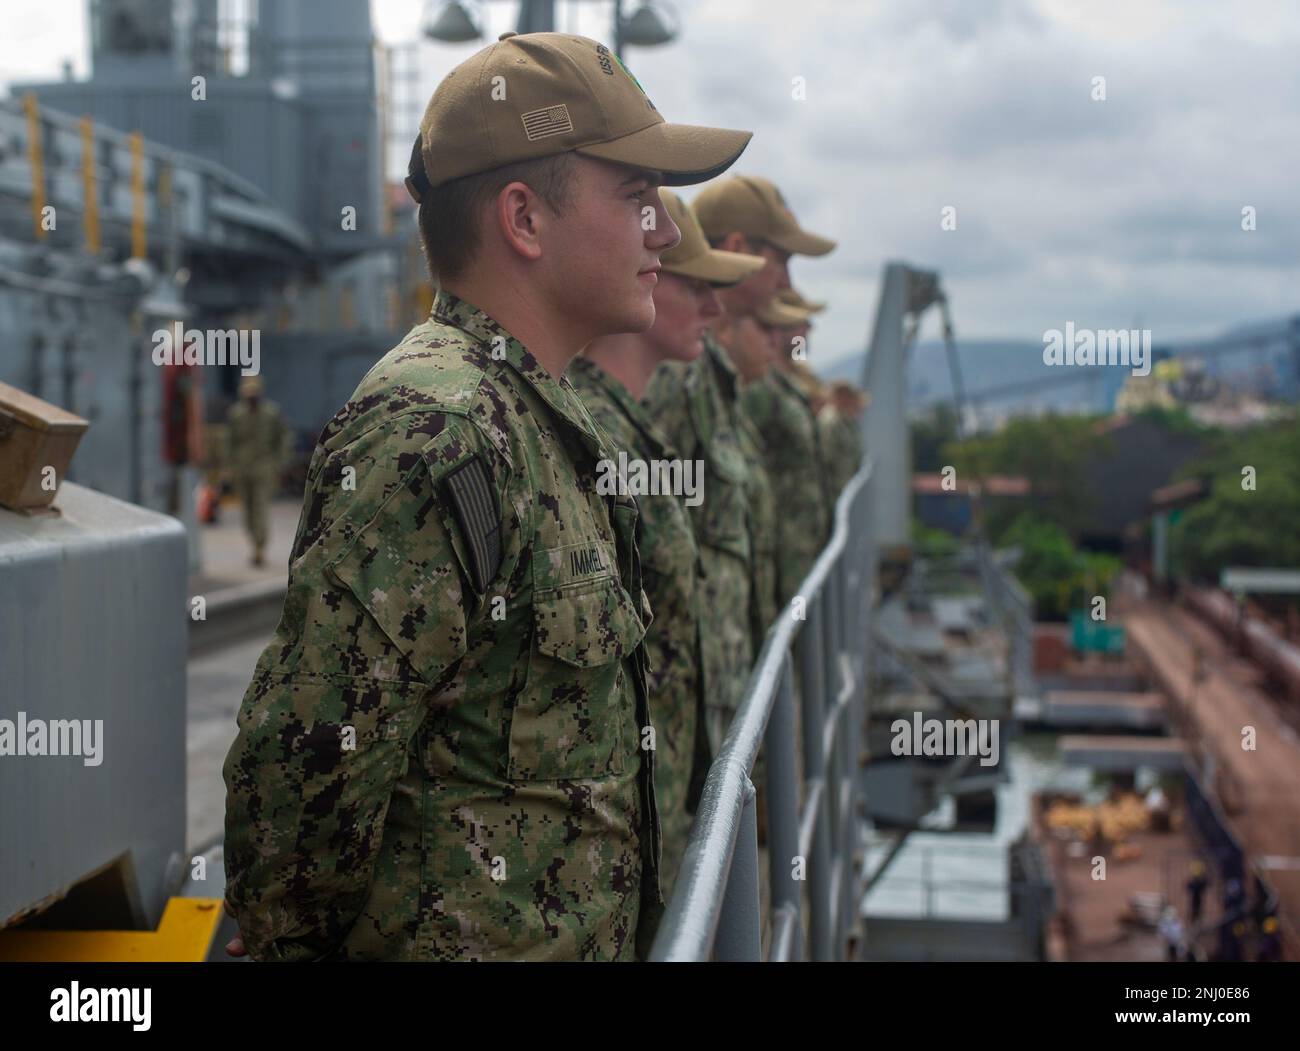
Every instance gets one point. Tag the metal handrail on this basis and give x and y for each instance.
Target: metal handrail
(714, 910)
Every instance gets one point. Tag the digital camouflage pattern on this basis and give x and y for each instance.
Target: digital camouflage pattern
(800, 373)
(669, 560)
(840, 436)
(763, 529)
(696, 408)
(430, 770)
(841, 446)
(791, 450)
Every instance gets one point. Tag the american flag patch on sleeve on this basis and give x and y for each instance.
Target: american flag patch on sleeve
(480, 522)
(554, 120)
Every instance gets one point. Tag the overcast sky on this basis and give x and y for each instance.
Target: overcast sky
(1104, 213)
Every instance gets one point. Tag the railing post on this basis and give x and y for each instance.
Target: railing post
(783, 804)
(846, 771)
(830, 695)
(739, 936)
(814, 812)
(859, 555)
(818, 866)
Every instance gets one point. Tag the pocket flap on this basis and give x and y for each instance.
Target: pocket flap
(588, 626)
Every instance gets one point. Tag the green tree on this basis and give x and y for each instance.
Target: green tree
(1238, 526)
(930, 434)
(1050, 452)
(1059, 576)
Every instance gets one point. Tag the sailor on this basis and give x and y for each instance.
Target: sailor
(611, 376)
(257, 446)
(443, 752)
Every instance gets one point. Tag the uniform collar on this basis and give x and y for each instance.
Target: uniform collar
(588, 370)
(450, 309)
(785, 380)
(726, 371)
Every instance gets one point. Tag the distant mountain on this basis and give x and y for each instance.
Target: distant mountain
(990, 366)
(1010, 374)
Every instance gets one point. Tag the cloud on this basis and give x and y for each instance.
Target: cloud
(1068, 208)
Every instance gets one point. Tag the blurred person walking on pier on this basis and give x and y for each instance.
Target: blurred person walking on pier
(257, 445)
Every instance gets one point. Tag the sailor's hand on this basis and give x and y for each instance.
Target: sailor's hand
(235, 947)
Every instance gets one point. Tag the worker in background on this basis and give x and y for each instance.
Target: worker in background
(1234, 899)
(257, 445)
(1229, 948)
(1171, 933)
(1196, 887)
(611, 376)
(1269, 947)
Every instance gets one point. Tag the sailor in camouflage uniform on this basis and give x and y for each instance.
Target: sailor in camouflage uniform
(840, 423)
(695, 407)
(748, 350)
(610, 376)
(792, 453)
(747, 215)
(258, 443)
(443, 752)
(838, 407)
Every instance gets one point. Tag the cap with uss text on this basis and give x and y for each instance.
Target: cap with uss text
(538, 94)
(755, 208)
(692, 256)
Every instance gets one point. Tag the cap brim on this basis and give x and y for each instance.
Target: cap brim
(778, 315)
(799, 303)
(801, 242)
(684, 153)
(717, 267)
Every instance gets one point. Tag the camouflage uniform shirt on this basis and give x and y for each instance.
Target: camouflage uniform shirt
(669, 560)
(841, 445)
(695, 407)
(439, 756)
(792, 453)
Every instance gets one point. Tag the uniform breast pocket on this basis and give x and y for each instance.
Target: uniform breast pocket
(722, 512)
(578, 707)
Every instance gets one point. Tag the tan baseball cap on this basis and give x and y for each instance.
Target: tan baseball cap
(692, 256)
(777, 314)
(540, 94)
(755, 207)
(793, 298)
